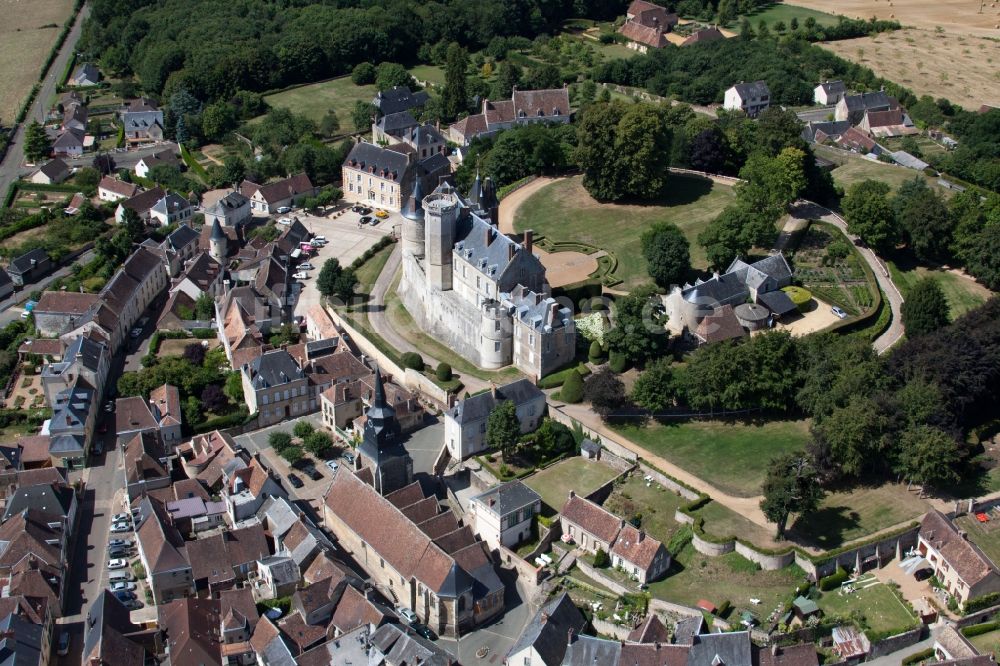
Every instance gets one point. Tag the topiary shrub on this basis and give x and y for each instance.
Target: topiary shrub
(413, 361)
(601, 559)
(572, 388)
(799, 296)
(596, 354)
(834, 580)
(443, 372)
(617, 361)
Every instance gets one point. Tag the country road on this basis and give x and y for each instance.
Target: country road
(11, 167)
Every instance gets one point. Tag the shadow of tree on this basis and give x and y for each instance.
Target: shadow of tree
(825, 528)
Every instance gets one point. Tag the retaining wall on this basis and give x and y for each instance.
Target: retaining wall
(526, 571)
(600, 495)
(605, 628)
(767, 562)
(616, 461)
(667, 482)
(711, 548)
(976, 618)
(672, 608)
(596, 575)
(893, 643)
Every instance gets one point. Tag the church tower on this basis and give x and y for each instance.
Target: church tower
(382, 446)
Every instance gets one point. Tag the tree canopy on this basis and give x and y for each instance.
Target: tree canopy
(667, 254)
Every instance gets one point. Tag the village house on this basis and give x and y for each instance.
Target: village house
(451, 589)
(146, 465)
(286, 193)
(75, 118)
(231, 210)
(646, 26)
(86, 74)
(178, 247)
(160, 415)
(246, 489)
(167, 157)
(142, 120)
(275, 388)
(505, 514)
(962, 568)
(113, 189)
(639, 555)
(385, 177)
(170, 209)
(29, 267)
(750, 98)
(523, 108)
(52, 172)
(709, 34)
(829, 92)
(110, 636)
(590, 526)
(58, 310)
(398, 99)
(852, 108)
(202, 275)
(84, 359)
(465, 423)
(163, 553)
(69, 143)
(142, 203)
(544, 639)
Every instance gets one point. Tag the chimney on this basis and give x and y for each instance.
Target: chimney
(489, 236)
(511, 249)
(569, 634)
(493, 389)
(572, 493)
(642, 535)
(529, 238)
(774, 649)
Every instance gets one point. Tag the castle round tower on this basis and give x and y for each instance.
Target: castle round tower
(413, 226)
(441, 211)
(496, 349)
(217, 242)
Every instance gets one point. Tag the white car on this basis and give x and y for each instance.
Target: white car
(406, 614)
(118, 563)
(284, 209)
(284, 220)
(839, 312)
(306, 266)
(121, 586)
(121, 527)
(300, 275)
(121, 518)
(332, 465)
(321, 239)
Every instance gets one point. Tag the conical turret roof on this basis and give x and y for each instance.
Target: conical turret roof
(414, 209)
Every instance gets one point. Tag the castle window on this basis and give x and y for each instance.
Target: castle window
(496, 346)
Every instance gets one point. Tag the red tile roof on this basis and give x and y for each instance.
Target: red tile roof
(65, 302)
(637, 547)
(592, 518)
(355, 610)
(971, 565)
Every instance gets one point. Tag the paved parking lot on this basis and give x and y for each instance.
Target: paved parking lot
(346, 239)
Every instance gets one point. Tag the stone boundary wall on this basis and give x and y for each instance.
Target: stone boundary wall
(673, 609)
(525, 570)
(594, 574)
(767, 562)
(601, 494)
(683, 518)
(976, 618)
(606, 628)
(667, 482)
(711, 548)
(616, 461)
(420, 383)
(893, 643)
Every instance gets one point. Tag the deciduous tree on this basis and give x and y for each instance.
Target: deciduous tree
(637, 329)
(454, 97)
(654, 388)
(36, 142)
(791, 486)
(667, 254)
(925, 309)
(503, 429)
(870, 215)
(605, 392)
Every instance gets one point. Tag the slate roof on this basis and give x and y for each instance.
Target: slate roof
(587, 651)
(721, 649)
(384, 162)
(232, 201)
(179, 239)
(753, 89)
(833, 87)
(70, 138)
(540, 103)
(141, 120)
(49, 499)
(55, 169)
(171, 204)
(396, 122)
(968, 561)
(424, 135)
(142, 202)
(108, 622)
(548, 629)
(592, 518)
(399, 646)
(23, 264)
(86, 72)
(398, 98)
(829, 128)
(869, 100)
(777, 302)
(274, 368)
(536, 311)
(507, 497)
(478, 407)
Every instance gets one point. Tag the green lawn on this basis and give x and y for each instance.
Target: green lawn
(721, 523)
(988, 642)
(578, 474)
(431, 73)
(316, 99)
(564, 211)
(984, 535)
(369, 271)
(782, 12)
(732, 456)
(656, 504)
(963, 294)
(693, 576)
(882, 610)
(855, 168)
(852, 514)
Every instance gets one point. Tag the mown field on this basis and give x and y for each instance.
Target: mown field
(27, 35)
(315, 99)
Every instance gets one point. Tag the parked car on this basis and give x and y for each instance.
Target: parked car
(356, 209)
(423, 630)
(284, 220)
(295, 481)
(135, 333)
(63, 648)
(284, 209)
(321, 239)
(120, 542)
(839, 312)
(366, 219)
(381, 214)
(98, 447)
(310, 470)
(117, 563)
(121, 527)
(306, 266)
(132, 604)
(109, 406)
(122, 586)
(301, 275)
(375, 221)
(365, 211)
(407, 615)
(121, 517)
(332, 464)
(120, 551)
(124, 595)
(349, 457)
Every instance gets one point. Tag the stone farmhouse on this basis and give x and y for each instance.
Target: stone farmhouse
(852, 108)
(646, 26)
(829, 92)
(750, 98)
(759, 283)
(422, 557)
(465, 423)
(267, 199)
(524, 107)
(963, 569)
(143, 121)
(594, 528)
(505, 514)
(477, 290)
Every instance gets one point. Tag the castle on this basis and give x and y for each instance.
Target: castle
(476, 290)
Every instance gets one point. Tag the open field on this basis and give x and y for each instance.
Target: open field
(883, 611)
(854, 168)
(27, 34)
(785, 12)
(656, 504)
(732, 456)
(316, 99)
(693, 576)
(959, 66)
(564, 211)
(722, 523)
(429, 73)
(846, 515)
(962, 293)
(988, 642)
(176, 347)
(583, 476)
(953, 16)
(984, 535)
